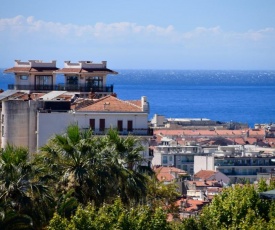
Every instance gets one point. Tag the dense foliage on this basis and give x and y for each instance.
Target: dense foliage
(73, 170)
(83, 181)
(115, 216)
(238, 207)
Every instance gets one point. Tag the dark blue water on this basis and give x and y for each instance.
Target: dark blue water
(241, 96)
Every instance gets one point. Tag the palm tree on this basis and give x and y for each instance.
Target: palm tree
(24, 197)
(126, 156)
(72, 152)
(96, 168)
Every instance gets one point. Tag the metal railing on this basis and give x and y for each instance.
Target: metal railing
(125, 132)
(63, 87)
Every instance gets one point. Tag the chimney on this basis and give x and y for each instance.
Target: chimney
(107, 106)
(144, 104)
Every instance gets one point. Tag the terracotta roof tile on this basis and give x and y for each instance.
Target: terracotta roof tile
(17, 69)
(69, 70)
(135, 102)
(30, 69)
(251, 140)
(86, 70)
(207, 183)
(190, 204)
(111, 104)
(205, 174)
(256, 133)
(202, 133)
(166, 173)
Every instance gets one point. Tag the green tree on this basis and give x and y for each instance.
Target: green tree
(162, 195)
(262, 185)
(234, 207)
(113, 216)
(96, 169)
(24, 197)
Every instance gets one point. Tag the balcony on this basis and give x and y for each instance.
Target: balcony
(248, 164)
(63, 87)
(134, 132)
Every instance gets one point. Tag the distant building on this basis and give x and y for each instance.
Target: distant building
(236, 162)
(169, 174)
(171, 153)
(210, 175)
(85, 77)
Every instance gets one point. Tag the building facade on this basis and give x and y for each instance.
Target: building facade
(236, 162)
(35, 108)
(84, 77)
(170, 153)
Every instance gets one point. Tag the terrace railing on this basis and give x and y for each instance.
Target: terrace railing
(62, 87)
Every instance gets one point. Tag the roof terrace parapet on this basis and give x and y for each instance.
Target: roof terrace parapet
(86, 65)
(35, 64)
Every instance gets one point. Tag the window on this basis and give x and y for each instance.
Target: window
(151, 152)
(101, 124)
(130, 126)
(2, 120)
(94, 81)
(170, 158)
(120, 125)
(72, 80)
(23, 77)
(2, 130)
(44, 80)
(92, 124)
(164, 160)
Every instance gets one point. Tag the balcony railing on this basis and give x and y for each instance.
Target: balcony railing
(269, 163)
(125, 132)
(63, 87)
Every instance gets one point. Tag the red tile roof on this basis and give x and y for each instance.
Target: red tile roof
(111, 104)
(205, 174)
(208, 183)
(85, 70)
(30, 69)
(190, 204)
(202, 133)
(166, 173)
(251, 140)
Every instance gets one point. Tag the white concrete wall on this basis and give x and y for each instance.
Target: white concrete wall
(85, 64)
(203, 163)
(19, 123)
(157, 158)
(139, 120)
(220, 176)
(51, 123)
(34, 63)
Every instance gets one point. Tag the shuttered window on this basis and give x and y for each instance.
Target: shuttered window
(120, 125)
(130, 126)
(92, 124)
(101, 124)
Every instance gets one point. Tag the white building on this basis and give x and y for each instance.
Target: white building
(84, 77)
(236, 162)
(170, 153)
(31, 116)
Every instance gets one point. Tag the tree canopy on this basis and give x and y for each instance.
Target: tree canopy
(83, 181)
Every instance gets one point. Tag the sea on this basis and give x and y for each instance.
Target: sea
(221, 95)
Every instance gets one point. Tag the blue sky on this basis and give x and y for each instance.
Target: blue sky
(177, 34)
